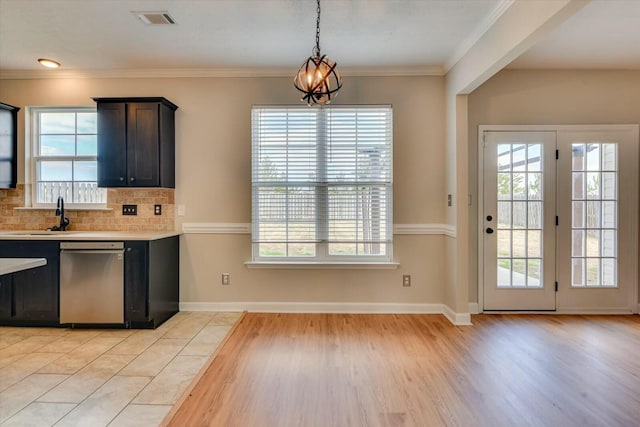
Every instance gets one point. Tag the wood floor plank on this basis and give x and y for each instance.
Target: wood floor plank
(419, 370)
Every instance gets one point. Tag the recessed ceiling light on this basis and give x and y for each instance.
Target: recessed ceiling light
(49, 63)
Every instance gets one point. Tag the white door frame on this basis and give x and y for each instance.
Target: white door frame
(633, 292)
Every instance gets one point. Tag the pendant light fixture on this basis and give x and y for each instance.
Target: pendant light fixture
(317, 78)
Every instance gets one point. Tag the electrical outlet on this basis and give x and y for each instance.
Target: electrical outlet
(406, 280)
(226, 278)
(129, 209)
(448, 199)
(157, 209)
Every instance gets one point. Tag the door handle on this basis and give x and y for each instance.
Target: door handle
(489, 230)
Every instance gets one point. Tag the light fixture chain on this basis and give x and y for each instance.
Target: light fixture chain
(317, 49)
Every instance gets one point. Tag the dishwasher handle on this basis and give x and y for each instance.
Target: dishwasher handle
(94, 251)
(91, 245)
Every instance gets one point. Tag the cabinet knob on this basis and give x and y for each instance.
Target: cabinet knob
(122, 178)
(132, 179)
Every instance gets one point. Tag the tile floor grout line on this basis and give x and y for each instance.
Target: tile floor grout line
(163, 368)
(31, 352)
(34, 400)
(100, 386)
(152, 378)
(198, 323)
(158, 374)
(87, 363)
(128, 403)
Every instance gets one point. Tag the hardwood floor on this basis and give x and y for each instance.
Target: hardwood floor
(419, 370)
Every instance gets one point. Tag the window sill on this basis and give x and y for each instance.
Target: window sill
(66, 208)
(295, 265)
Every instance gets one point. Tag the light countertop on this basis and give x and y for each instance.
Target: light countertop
(85, 235)
(11, 265)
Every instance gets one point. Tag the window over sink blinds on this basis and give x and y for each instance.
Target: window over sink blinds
(322, 183)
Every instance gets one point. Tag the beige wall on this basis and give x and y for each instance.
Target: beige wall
(520, 97)
(213, 138)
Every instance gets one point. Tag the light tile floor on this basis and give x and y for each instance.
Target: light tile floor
(91, 377)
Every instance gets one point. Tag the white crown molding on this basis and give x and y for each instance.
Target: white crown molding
(209, 72)
(245, 228)
(477, 33)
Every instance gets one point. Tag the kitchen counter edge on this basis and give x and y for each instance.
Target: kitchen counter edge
(88, 235)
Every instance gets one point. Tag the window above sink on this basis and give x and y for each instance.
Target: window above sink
(63, 157)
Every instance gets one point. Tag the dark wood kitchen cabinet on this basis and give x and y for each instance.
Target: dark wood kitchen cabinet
(8, 146)
(30, 297)
(136, 142)
(151, 281)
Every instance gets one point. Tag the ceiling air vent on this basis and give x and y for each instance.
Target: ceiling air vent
(155, 18)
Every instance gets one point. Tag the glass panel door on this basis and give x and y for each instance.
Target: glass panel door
(598, 211)
(519, 206)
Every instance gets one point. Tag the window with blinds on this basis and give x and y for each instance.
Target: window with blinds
(322, 183)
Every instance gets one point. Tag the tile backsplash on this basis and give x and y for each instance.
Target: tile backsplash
(93, 220)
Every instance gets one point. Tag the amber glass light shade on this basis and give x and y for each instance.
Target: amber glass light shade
(318, 80)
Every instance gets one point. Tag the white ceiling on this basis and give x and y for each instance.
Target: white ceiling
(422, 35)
(604, 34)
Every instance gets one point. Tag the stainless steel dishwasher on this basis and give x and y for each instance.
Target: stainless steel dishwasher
(92, 282)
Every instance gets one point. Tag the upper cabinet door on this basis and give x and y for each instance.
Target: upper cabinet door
(143, 149)
(136, 142)
(112, 145)
(8, 146)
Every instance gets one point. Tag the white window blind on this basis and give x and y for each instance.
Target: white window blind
(322, 183)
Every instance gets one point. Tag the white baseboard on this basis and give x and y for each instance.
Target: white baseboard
(474, 308)
(458, 319)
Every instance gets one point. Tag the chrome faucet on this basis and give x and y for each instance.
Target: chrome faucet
(64, 222)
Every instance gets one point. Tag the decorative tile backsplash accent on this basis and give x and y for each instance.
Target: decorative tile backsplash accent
(88, 220)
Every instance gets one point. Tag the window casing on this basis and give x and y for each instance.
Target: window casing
(64, 157)
(322, 184)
